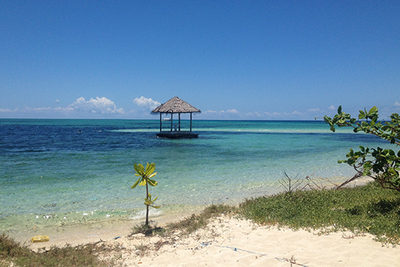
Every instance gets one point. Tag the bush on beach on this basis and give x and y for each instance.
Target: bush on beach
(367, 208)
(13, 253)
(382, 165)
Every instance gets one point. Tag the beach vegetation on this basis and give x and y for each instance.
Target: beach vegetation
(189, 224)
(383, 165)
(290, 184)
(194, 222)
(147, 229)
(141, 250)
(145, 179)
(13, 253)
(369, 208)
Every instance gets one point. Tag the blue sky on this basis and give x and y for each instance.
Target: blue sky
(260, 60)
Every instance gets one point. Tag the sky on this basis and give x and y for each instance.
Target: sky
(239, 60)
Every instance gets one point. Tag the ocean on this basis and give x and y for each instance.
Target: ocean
(61, 172)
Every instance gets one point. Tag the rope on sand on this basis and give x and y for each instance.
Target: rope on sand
(236, 249)
(262, 254)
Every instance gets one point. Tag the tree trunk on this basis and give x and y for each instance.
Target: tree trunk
(147, 206)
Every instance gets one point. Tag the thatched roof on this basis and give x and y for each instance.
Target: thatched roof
(176, 105)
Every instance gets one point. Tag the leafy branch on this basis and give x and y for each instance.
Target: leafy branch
(383, 165)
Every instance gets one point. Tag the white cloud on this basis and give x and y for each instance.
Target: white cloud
(42, 109)
(297, 113)
(225, 114)
(255, 114)
(210, 112)
(314, 110)
(66, 109)
(100, 105)
(232, 111)
(6, 110)
(397, 104)
(332, 107)
(147, 103)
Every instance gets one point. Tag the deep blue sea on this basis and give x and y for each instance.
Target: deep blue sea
(63, 171)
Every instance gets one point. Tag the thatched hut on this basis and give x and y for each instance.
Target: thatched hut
(175, 106)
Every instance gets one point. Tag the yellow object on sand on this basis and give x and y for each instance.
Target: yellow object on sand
(40, 238)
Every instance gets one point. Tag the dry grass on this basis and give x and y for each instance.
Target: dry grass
(14, 253)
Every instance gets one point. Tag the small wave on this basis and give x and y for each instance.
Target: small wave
(142, 214)
(134, 130)
(219, 130)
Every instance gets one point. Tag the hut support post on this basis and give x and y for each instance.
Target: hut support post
(172, 120)
(160, 122)
(190, 121)
(179, 122)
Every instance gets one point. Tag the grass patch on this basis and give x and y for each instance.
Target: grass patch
(195, 222)
(147, 230)
(188, 225)
(369, 208)
(20, 255)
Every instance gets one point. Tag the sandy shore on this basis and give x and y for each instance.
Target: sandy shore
(234, 242)
(78, 234)
(230, 241)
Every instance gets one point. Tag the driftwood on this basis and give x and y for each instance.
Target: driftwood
(356, 176)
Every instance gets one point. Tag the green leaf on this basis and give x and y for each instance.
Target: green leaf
(339, 110)
(150, 168)
(152, 182)
(328, 120)
(135, 184)
(361, 115)
(373, 111)
(139, 168)
(152, 175)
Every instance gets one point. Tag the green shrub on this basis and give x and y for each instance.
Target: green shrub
(367, 208)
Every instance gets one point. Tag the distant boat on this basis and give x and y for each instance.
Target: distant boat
(166, 119)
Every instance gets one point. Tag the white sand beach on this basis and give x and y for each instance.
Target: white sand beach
(229, 241)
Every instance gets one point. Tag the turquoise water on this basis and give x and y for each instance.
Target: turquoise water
(64, 171)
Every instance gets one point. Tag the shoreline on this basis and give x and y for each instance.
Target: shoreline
(228, 241)
(94, 231)
(107, 229)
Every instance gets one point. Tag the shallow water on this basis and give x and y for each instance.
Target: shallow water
(67, 171)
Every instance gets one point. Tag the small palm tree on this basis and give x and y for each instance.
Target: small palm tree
(145, 179)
